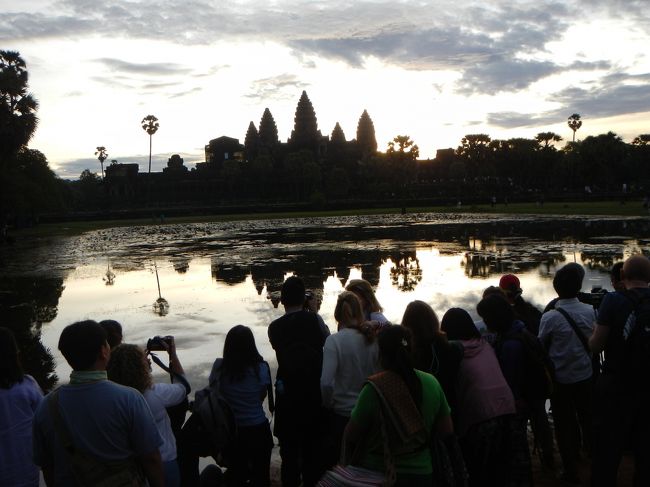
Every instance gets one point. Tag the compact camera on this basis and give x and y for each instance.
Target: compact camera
(157, 343)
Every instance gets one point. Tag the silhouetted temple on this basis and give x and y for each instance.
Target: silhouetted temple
(256, 169)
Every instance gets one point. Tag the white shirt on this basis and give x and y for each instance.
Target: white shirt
(348, 359)
(571, 361)
(158, 398)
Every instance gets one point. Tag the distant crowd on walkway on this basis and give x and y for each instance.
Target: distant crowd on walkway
(428, 402)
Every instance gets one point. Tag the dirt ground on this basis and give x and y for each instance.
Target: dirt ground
(542, 477)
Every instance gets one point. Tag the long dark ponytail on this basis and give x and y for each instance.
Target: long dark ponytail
(395, 355)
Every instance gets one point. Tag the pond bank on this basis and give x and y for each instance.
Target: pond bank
(81, 225)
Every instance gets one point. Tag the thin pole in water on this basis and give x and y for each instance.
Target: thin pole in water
(157, 279)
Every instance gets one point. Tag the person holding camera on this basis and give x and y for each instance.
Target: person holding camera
(130, 366)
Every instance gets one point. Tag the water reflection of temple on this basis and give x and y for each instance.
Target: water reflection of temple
(25, 304)
(315, 266)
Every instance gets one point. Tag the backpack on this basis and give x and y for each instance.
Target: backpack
(211, 426)
(540, 371)
(636, 336)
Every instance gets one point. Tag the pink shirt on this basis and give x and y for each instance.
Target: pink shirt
(482, 392)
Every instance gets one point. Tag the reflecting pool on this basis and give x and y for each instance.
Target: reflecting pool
(216, 275)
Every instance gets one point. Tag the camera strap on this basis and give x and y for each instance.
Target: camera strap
(578, 331)
(175, 377)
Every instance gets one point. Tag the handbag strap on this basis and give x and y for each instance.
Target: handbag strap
(59, 424)
(576, 329)
(269, 389)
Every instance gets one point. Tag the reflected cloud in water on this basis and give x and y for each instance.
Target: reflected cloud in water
(209, 299)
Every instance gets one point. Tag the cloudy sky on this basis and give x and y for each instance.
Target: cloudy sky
(435, 70)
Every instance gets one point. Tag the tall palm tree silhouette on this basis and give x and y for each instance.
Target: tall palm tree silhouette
(150, 125)
(574, 123)
(101, 156)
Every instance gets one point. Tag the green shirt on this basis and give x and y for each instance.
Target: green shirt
(366, 415)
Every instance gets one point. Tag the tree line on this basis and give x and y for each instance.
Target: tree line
(315, 168)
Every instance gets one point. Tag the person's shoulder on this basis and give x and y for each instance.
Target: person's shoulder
(118, 392)
(264, 368)
(549, 315)
(616, 298)
(427, 380)
(165, 388)
(584, 308)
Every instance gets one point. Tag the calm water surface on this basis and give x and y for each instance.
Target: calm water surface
(216, 275)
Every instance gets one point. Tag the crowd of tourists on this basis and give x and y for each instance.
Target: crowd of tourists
(428, 402)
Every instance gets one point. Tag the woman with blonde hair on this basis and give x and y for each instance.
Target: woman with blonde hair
(349, 357)
(129, 366)
(372, 310)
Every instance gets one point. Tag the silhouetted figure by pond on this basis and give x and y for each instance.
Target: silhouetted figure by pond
(564, 331)
(298, 342)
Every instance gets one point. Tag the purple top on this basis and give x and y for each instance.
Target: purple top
(482, 392)
(17, 406)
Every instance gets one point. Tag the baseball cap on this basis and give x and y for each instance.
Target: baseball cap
(509, 282)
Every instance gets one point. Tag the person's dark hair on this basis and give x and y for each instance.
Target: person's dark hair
(615, 273)
(496, 312)
(458, 325)
(423, 324)
(11, 372)
(293, 292)
(240, 353)
(81, 342)
(567, 281)
(490, 290)
(395, 355)
(113, 332)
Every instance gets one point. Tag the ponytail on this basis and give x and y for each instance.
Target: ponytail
(395, 355)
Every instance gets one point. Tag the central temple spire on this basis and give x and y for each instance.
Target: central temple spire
(305, 133)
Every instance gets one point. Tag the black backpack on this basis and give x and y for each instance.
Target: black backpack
(636, 337)
(212, 427)
(539, 368)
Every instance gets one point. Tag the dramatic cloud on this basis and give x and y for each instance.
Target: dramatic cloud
(496, 47)
(149, 69)
(500, 74)
(615, 94)
(283, 86)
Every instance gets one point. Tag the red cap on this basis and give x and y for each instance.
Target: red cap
(509, 282)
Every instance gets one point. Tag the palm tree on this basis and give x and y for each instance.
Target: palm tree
(17, 106)
(574, 123)
(150, 125)
(101, 156)
(547, 138)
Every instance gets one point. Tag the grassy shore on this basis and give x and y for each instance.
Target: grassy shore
(591, 208)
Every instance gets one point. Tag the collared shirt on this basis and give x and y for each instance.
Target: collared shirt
(571, 360)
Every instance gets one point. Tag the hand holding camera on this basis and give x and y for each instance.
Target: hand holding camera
(162, 344)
